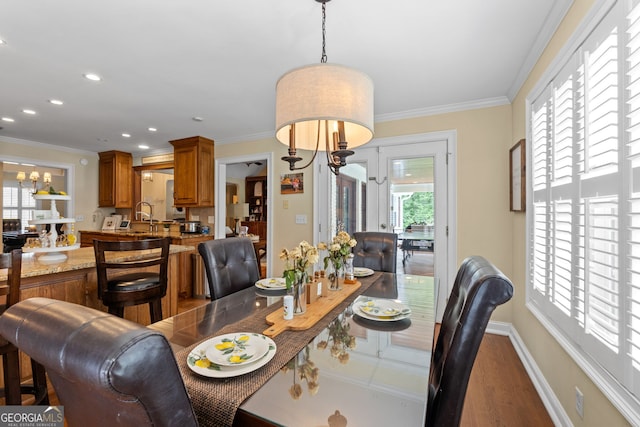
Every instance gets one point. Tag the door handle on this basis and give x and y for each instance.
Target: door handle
(383, 226)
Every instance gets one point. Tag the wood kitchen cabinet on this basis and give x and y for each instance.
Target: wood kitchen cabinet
(193, 172)
(115, 182)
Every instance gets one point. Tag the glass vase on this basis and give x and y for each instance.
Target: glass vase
(298, 291)
(336, 278)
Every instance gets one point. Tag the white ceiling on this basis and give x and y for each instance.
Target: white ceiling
(166, 61)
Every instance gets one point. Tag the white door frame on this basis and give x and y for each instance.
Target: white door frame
(220, 210)
(449, 226)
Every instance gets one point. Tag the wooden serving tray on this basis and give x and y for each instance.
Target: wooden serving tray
(315, 311)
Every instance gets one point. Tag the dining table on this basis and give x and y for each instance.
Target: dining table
(351, 366)
(415, 240)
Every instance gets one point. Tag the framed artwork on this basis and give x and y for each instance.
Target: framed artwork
(109, 224)
(292, 183)
(517, 178)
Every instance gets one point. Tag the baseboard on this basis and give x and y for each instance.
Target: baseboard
(551, 403)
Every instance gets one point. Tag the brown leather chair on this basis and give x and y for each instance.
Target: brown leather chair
(139, 287)
(106, 371)
(13, 390)
(231, 265)
(375, 250)
(478, 289)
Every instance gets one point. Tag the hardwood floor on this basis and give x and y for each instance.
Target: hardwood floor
(500, 392)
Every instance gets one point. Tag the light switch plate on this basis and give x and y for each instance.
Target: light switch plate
(195, 217)
(211, 219)
(301, 219)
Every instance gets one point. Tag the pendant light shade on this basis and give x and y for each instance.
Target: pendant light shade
(324, 92)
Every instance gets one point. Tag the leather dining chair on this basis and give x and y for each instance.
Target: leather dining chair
(13, 390)
(375, 250)
(105, 370)
(230, 264)
(138, 287)
(478, 289)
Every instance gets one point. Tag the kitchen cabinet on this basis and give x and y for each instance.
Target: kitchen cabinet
(256, 196)
(115, 187)
(193, 172)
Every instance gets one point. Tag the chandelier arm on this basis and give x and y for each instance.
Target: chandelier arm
(315, 152)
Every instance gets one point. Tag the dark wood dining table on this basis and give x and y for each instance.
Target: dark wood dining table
(350, 368)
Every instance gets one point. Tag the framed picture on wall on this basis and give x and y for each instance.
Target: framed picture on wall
(292, 183)
(517, 178)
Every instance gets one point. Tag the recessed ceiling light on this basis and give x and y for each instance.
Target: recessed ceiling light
(126, 135)
(152, 129)
(2, 41)
(27, 111)
(92, 77)
(8, 119)
(197, 119)
(143, 147)
(55, 102)
(407, 174)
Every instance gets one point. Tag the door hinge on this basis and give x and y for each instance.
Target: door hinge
(447, 231)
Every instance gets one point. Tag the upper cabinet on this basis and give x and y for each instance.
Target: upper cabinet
(115, 186)
(256, 196)
(193, 172)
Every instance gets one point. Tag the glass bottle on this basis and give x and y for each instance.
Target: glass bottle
(348, 269)
(71, 236)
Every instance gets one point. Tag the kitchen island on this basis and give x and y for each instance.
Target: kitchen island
(74, 280)
(186, 273)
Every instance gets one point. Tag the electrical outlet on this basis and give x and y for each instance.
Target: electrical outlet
(195, 217)
(79, 218)
(579, 403)
(285, 204)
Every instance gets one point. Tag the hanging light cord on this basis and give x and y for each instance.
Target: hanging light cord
(323, 58)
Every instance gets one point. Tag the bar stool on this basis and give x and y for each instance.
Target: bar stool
(139, 287)
(13, 390)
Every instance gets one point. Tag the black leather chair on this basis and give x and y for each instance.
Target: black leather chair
(478, 289)
(106, 371)
(139, 287)
(13, 390)
(230, 264)
(375, 250)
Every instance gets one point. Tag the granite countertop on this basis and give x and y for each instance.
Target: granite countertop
(77, 259)
(172, 234)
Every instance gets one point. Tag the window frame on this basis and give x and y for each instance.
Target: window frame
(620, 397)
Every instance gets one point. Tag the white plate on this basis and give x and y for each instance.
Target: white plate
(218, 371)
(362, 271)
(236, 349)
(383, 310)
(272, 283)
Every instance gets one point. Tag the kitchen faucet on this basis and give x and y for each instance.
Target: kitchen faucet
(149, 215)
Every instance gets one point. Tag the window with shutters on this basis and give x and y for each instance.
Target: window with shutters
(17, 202)
(583, 214)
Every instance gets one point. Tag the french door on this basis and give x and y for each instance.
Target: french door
(389, 185)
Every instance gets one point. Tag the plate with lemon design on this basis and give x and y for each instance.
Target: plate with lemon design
(231, 355)
(383, 310)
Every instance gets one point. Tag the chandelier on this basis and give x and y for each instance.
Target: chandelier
(34, 176)
(324, 107)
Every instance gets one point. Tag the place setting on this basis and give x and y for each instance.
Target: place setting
(381, 314)
(271, 286)
(231, 355)
(362, 272)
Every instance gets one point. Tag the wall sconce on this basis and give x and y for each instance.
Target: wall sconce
(147, 177)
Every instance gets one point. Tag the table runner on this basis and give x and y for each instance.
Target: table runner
(216, 400)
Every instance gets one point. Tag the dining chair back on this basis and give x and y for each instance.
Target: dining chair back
(141, 286)
(478, 289)
(13, 390)
(375, 250)
(230, 264)
(105, 370)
